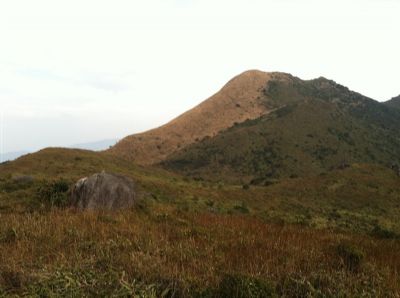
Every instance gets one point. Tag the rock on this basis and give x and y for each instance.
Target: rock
(103, 191)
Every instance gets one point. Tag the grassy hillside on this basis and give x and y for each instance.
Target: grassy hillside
(192, 238)
(361, 198)
(316, 126)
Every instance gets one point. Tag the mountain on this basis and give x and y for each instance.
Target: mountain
(269, 125)
(394, 102)
(312, 127)
(240, 99)
(96, 146)
(339, 215)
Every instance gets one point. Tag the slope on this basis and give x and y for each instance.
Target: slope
(239, 100)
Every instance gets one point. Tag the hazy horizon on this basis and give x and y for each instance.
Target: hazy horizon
(83, 71)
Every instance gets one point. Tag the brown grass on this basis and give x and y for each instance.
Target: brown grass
(184, 254)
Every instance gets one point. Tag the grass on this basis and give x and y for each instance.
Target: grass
(361, 198)
(180, 255)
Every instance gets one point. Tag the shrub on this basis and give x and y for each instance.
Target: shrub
(384, 232)
(239, 286)
(352, 256)
(54, 193)
(242, 208)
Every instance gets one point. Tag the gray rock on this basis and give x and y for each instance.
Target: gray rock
(103, 191)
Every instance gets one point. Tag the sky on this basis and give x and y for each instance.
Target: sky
(75, 71)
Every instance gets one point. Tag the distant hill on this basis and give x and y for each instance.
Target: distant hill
(394, 102)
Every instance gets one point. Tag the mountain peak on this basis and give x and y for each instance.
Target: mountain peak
(242, 98)
(252, 76)
(248, 96)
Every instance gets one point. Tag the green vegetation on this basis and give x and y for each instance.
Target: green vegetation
(54, 193)
(245, 287)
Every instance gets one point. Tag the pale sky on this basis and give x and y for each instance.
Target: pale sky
(74, 71)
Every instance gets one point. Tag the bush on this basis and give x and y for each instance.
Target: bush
(238, 286)
(54, 194)
(352, 256)
(242, 208)
(383, 232)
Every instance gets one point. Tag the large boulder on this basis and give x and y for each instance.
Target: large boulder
(103, 191)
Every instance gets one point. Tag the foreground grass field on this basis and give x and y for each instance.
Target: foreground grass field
(332, 235)
(173, 254)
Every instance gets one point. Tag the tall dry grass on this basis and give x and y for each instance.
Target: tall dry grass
(186, 254)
